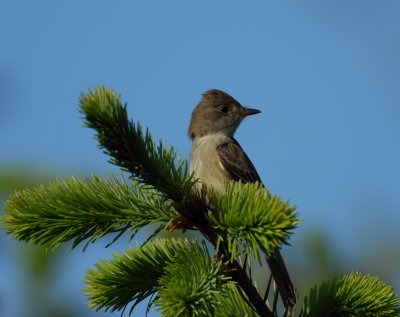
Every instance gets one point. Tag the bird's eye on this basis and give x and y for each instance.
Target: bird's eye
(224, 109)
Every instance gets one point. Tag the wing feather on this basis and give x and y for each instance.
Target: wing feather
(238, 165)
(236, 162)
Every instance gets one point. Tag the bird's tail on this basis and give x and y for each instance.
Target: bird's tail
(282, 280)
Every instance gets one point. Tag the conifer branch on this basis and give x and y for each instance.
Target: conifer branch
(352, 295)
(232, 304)
(81, 210)
(248, 219)
(186, 278)
(132, 276)
(129, 148)
(190, 284)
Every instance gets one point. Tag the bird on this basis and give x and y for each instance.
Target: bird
(216, 159)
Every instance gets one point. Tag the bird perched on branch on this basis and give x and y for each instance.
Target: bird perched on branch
(217, 158)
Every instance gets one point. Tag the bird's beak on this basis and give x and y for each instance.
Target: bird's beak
(248, 112)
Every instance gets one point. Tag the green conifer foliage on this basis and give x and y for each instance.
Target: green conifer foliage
(180, 277)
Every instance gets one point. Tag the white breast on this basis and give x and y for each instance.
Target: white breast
(205, 163)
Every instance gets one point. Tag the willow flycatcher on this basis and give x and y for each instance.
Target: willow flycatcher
(217, 158)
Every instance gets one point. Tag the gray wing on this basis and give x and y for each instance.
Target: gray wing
(239, 166)
(237, 163)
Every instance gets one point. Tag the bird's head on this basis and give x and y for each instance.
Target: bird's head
(217, 112)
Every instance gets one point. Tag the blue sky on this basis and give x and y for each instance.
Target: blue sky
(326, 76)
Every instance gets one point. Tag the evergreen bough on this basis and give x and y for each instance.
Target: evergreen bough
(180, 277)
